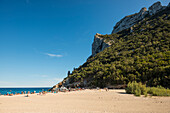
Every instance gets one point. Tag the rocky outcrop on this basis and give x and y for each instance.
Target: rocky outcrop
(56, 86)
(99, 44)
(156, 7)
(131, 20)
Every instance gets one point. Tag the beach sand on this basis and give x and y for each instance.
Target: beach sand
(86, 101)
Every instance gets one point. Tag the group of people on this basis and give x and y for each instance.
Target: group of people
(44, 92)
(22, 92)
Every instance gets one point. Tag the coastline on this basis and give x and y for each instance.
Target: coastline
(23, 90)
(84, 101)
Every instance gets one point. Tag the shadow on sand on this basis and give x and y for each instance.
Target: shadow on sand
(27, 96)
(123, 93)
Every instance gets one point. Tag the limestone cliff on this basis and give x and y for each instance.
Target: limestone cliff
(129, 21)
(86, 71)
(99, 44)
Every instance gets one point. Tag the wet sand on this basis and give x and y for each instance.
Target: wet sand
(86, 101)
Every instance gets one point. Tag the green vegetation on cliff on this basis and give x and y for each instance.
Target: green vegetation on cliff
(142, 55)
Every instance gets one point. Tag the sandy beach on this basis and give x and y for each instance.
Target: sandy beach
(86, 101)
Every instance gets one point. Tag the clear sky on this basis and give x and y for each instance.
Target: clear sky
(40, 40)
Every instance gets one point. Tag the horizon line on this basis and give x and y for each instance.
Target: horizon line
(25, 86)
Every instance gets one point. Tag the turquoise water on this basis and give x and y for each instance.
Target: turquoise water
(19, 90)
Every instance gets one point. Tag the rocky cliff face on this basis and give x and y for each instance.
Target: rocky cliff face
(99, 44)
(156, 7)
(131, 20)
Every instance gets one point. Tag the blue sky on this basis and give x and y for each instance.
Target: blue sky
(40, 40)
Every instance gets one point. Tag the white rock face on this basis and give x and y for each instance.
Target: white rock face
(99, 44)
(131, 20)
(127, 22)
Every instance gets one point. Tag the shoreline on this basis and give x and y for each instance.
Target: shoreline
(84, 101)
(76, 90)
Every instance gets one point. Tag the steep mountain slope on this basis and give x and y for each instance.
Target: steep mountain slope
(133, 19)
(140, 53)
(129, 21)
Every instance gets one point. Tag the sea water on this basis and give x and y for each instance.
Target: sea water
(19, 90)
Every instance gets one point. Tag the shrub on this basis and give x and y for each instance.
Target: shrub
(136, 88)
(137, 92)
(158, 91)
(129, 88)
(139, 89)
(143, 89)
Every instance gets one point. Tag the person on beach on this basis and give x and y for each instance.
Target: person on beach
(43, 93)
(106, 89)
(11, 94)
(39, 93)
